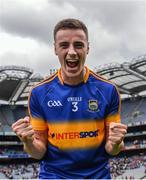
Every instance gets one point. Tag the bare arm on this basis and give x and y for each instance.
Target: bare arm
(35, 142)
(36, 146)
(115, 134)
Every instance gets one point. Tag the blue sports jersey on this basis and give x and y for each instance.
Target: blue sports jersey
(75, 117)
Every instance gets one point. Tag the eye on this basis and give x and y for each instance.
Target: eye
(78, 45)
(64, 45)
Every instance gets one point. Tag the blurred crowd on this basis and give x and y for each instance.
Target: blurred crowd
(19, 171)
(118, 165)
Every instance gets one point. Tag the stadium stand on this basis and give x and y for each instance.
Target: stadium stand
(15, 84)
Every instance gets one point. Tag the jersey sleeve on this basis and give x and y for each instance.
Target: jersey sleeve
(114, 108)
(36, 115)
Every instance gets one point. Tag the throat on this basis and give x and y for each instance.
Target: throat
(73, 79)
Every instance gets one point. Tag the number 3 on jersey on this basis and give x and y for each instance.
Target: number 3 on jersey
(74, 106)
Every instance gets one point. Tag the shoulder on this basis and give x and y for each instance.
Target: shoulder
(42, 85)
(102, 83)
(100, 79)
(45, 82)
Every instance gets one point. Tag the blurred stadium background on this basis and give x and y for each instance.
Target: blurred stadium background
(130, 77)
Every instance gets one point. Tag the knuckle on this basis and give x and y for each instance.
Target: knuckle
(19, 134)
(23, 135)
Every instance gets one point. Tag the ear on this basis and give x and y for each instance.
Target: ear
(55, 49)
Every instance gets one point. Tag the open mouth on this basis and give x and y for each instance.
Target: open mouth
(72, 63)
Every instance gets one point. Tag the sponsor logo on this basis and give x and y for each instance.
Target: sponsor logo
(53, 103)
(74, 135)
(93, 105)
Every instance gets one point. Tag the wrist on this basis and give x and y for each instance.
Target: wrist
(28, 144)
(28, 141)
(113, 149)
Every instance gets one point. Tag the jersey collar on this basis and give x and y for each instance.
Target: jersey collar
(86, 75)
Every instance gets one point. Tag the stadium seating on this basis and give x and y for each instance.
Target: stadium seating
(130, 77)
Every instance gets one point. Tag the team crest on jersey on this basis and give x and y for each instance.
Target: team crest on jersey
(93, 105)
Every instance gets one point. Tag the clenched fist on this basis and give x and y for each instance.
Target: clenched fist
(23, 129)
(117, 132)
(115, 136)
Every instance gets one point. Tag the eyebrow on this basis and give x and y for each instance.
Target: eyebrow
(63, 42)
(66, 42)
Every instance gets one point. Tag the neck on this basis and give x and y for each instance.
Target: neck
(73, 80)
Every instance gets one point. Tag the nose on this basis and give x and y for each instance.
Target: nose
(71, 50)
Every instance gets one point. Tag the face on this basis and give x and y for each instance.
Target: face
(71, 47)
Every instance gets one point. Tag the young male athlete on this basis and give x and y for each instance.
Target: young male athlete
(74, 123)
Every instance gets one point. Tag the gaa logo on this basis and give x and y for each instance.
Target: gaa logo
(53, 103)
